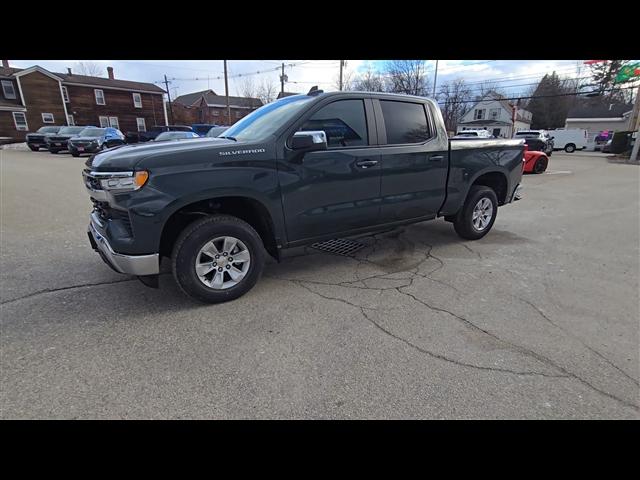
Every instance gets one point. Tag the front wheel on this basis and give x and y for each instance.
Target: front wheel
(540, 165)
(34, 149)
(477, 215)
(217, 259)
(570, 148)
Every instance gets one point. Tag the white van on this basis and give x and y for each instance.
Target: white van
(473, 132)
(569, 139)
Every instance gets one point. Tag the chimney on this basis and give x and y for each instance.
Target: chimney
(69, 70)
(5, 63)
(110, 72)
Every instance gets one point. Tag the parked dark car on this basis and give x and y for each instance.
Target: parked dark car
(538, 140)
(58, 142)
(202, 128)
(93, 139)
(606, 148)
(300, 170)
(166, 136)
(153, 132)
(38, 139)
(216, 131)
(601, 139)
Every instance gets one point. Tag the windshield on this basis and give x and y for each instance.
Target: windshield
(48, 129)
(267, 119)
(528, 134)
(70, 130)
(92, 132)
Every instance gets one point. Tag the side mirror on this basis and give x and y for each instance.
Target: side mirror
(309, 141)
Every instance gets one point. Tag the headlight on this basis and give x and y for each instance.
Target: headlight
(121, 181)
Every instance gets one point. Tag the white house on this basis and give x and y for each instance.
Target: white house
(494, 114)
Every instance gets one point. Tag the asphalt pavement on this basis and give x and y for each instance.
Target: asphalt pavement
(539, 319)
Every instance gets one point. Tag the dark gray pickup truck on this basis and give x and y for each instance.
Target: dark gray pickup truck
(303, 169)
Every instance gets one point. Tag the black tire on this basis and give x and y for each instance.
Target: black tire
(463, 223)
(34, 149)
(75, 154)
(541, 165)
(569, 148)
(54, 151)
(195, 236)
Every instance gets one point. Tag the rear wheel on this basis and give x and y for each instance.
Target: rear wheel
(540, 165)
(477, 215)
(569, 148)
(217, 259)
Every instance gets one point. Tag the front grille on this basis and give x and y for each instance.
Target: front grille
(106, 213)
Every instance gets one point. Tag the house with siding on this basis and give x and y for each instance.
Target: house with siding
(495, 114)
(208, 107)
(599, 118)
(35, 97)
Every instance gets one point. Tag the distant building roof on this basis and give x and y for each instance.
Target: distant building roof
(214, 100)
(87, 80)
(600, 111)
(189, 99)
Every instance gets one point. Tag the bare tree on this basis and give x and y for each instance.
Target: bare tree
(246, 88)
(368, 81)
(348, 77)
(454, 98)
(267, 91)
(488, 86)
(408, 76)
(91, 69)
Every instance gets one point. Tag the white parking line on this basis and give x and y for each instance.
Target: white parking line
(555, 172)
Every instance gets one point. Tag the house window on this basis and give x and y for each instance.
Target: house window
(142, 127)
(47, 118)
(8, 90)
(216, 113)
(494, 113)
(104, 122)
(137, 100)
(113, 122)
(99, 97)
(70, 120)
(478, 114)
(20, 121)
(65, 94)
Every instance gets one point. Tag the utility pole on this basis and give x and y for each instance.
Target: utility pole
(435, 80)
(341, 65)
(166, 84)
(282, 79)
(226, 93)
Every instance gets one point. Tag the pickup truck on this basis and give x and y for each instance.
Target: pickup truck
(303, 169)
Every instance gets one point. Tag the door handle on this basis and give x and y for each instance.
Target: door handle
(436, 158)
(366, 163)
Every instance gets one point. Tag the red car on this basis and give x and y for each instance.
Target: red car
(534, 161)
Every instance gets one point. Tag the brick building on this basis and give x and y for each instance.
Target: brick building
(207, 107)
(35, 97)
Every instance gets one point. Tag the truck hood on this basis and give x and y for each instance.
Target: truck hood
(126, 157)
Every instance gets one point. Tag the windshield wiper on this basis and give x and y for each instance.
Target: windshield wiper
(230, 138)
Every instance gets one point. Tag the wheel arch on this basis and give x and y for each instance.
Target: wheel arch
(252, 210)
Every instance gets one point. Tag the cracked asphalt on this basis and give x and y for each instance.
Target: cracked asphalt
(540, 319)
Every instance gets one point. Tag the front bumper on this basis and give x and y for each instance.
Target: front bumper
(85, 148)
(130, 264)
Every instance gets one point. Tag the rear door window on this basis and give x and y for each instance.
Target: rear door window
(405, 122)
(344, 122)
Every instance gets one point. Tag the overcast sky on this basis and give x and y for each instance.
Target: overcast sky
(186, 76)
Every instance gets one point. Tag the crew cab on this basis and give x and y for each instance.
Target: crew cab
(300, 170)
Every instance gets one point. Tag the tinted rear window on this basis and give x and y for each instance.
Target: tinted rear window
(405, 122)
